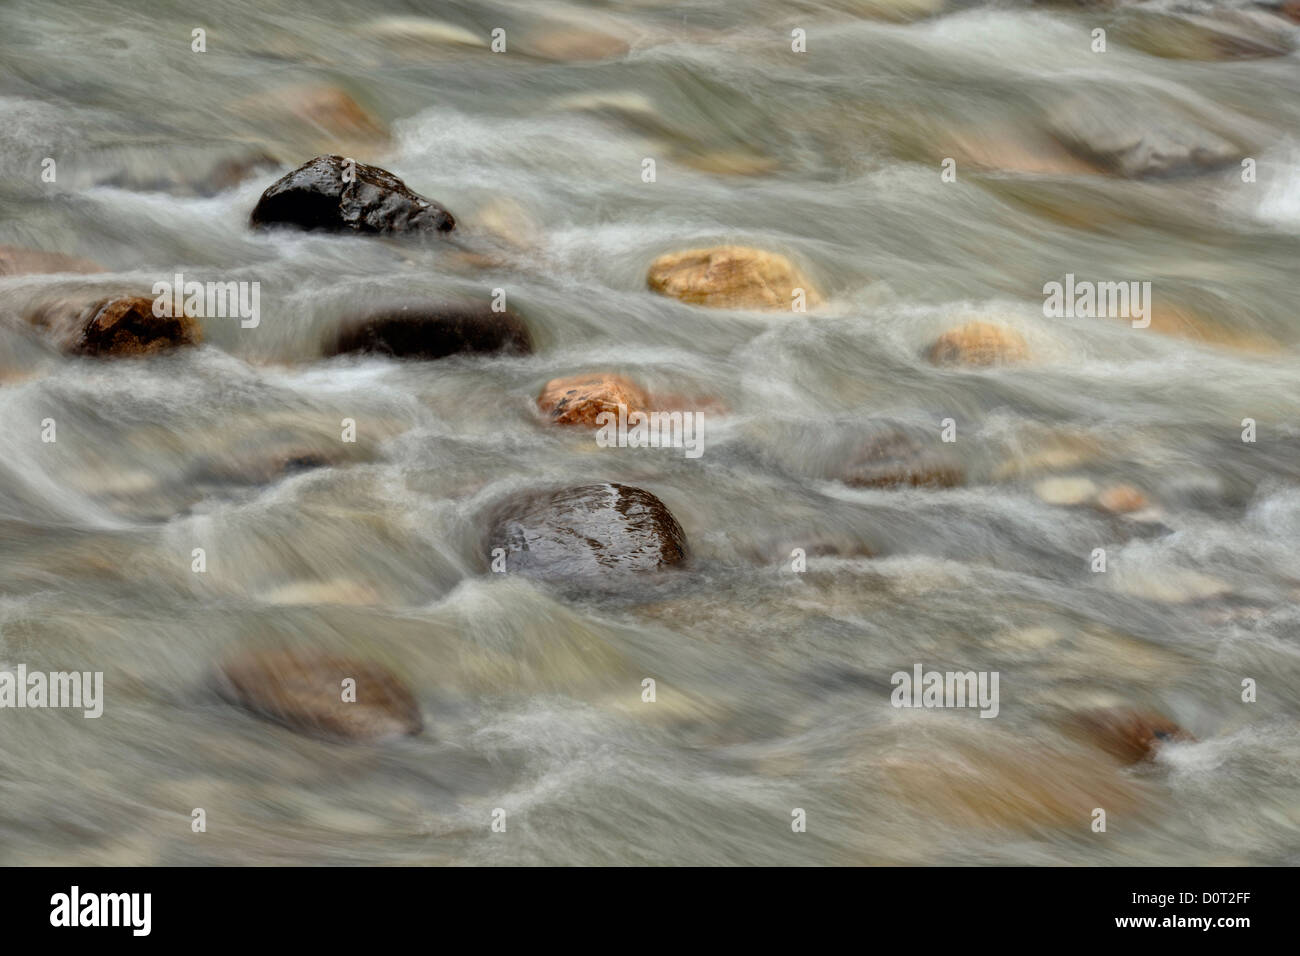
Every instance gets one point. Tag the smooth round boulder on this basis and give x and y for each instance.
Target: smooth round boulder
(586, 532)
(979, 344)
(730, 277)
(579, 399)
(433, 332)
(305, 691)
(326, 194)
(114, 327)
(1129, 735)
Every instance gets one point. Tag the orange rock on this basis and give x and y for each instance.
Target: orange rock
(1121, 499)
(979, 343)
(1127, 734)
(730, 277)
(578, 399)
(1182, 323)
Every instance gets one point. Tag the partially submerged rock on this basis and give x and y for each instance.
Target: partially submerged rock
(312, 117)
(579, 399)
(979, 344)
(1134, 143)
(325, 194)
(730, 277)
(1129, 735)
(306, 692)
(20, 261)
(433, 332)
(114, 327)
(588, 531)
(890, 459)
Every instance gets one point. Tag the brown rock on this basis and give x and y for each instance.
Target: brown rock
(17, 261)
(575, 43)
(315, 117)
(304, 691)
(979, 344)
(1129, 735)
(889, 459)
(729, 277)
(115, 327)
(578, 399)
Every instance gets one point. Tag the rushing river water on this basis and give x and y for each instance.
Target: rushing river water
(772, 687)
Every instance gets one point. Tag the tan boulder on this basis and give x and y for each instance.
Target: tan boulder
(730, 277)
(980, 344)
(305, 692)
(579, 399)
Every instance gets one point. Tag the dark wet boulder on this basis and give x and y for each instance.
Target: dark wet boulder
(1129, 735)
(587, 532)
(114, 327)
(20, 261)
(316, 195)
(433, 332)
(889, 459)
(306, 691)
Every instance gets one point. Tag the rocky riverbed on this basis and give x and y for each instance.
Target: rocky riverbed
(523, 434)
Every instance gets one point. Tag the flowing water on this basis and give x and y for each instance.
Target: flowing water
(772, 687)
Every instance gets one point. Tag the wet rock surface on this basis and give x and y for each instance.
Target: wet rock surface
(890, 459)
(113, 327)
(589, 531)
(432, 332)
(324, 194)
(580, 399)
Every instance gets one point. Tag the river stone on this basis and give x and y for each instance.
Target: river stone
(579, 399)
(315, 196)
(587, 531)
(979, 344)
(19, 261)
(114, 327)
(1129, 735)
(1123, 140)
(433, 332)
(729, 277)
(304, 691)
(890, 459)
(1121, 499)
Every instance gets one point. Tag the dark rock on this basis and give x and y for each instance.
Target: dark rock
(304, 691)
(315, 196)
(588, 531)
(888, 459)
(423, 332)
(114, 327)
